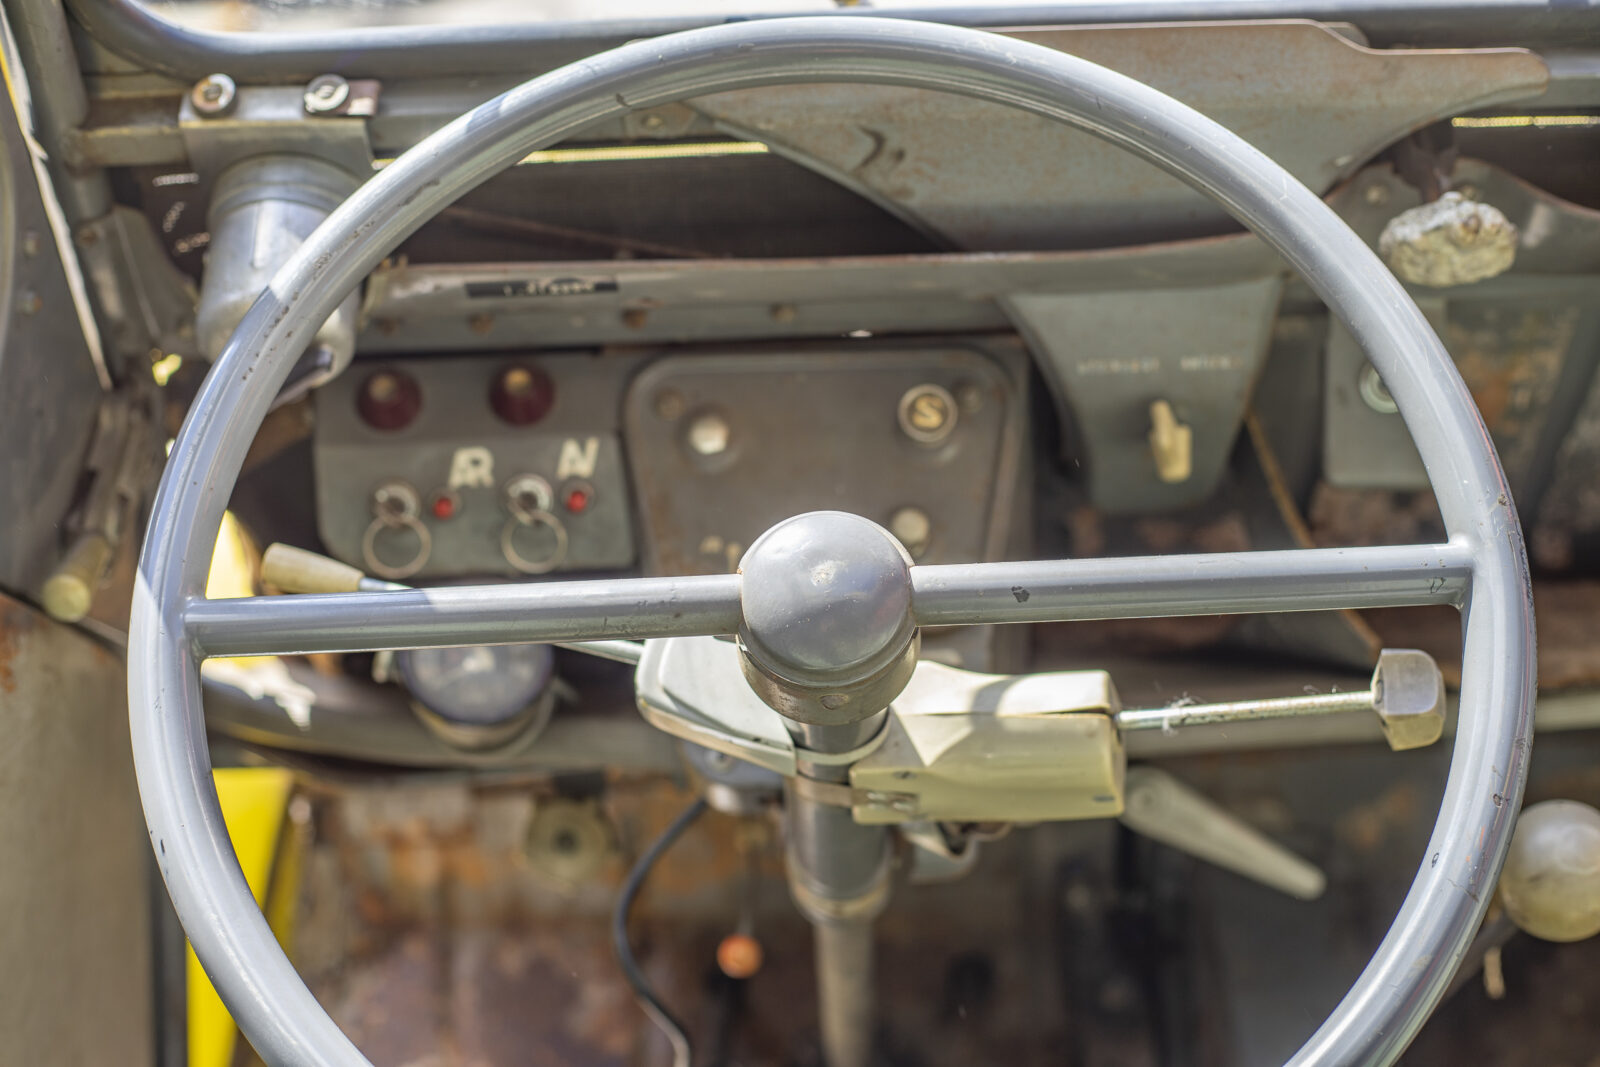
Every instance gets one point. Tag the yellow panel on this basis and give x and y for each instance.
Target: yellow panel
(254, 801)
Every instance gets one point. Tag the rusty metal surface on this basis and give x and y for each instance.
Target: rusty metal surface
(75, 873)
(436, 944)
(433, 940)
(1565, 526)
(1318, 103)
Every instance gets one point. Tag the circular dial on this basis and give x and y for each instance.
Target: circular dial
(481, 685)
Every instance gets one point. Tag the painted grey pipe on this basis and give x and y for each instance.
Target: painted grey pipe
(1122, 587)
(446, 616)
(60, 105)
(133, 29)
(1409, 971)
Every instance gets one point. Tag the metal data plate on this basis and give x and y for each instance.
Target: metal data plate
(819, 431)
(457, 443)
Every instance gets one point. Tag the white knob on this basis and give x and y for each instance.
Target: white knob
(1551, 882)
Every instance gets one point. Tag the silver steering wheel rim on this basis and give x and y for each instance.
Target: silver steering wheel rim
(1482, 569)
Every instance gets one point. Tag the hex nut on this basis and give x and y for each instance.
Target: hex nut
(1408, 695)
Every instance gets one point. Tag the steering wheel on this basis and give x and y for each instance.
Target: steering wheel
(1481, 569)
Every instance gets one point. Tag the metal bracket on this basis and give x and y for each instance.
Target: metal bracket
(694, 689)
(272, 119)
(958, 746)
(968, 747)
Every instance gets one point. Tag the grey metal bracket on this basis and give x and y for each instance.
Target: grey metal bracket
(693, 688)
(271, 119)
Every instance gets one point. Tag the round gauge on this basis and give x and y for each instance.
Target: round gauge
(478, 695)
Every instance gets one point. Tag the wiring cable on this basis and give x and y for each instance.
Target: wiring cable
(648, 1002)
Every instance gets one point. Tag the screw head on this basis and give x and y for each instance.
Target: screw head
(912, 528)
(709, 434)
(927, 413)
(396, 501)
(325, 94)
(669, 404)
(1374, 393)
(214, 95)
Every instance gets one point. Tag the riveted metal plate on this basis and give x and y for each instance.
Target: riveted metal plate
(816, 431)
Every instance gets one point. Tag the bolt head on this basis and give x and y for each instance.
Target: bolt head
(709, 434)
(912, 528)
(927, 413)
(1408, 694)
(214, 95)
(1374, 393)
(326, 93)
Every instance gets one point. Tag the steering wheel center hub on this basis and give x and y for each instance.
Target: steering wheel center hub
(827, 632)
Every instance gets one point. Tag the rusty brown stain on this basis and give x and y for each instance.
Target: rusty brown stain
(15, 620)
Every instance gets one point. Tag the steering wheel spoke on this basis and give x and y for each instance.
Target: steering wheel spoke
(1224, 583)
(553, 612)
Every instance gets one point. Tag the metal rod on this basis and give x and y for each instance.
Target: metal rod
(1244, 711)
(838, 874)
(452, 616)
(1312, 579)
(60, 104)
(845, 993)
(298, 570)
(954, 594)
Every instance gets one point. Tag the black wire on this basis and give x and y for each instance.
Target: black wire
(664, 1019)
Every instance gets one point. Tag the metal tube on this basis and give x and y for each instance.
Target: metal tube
(59, 103)
(1312, 579)
(845, 993)
(839, 876)
(138, 33)
(953, 594)
(1243, 711)
(1405, 977)
(449, 616)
